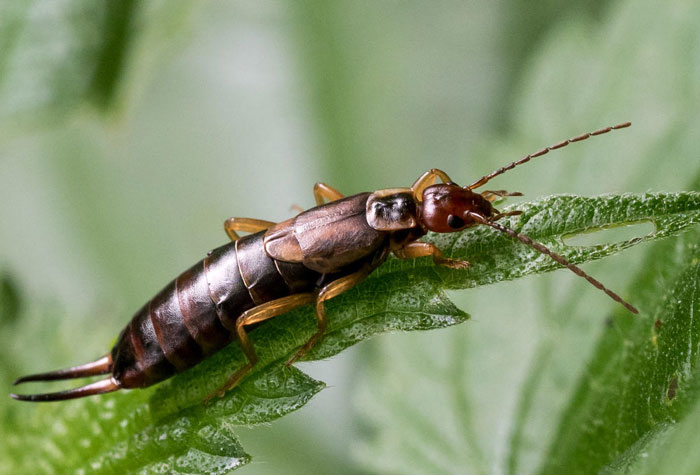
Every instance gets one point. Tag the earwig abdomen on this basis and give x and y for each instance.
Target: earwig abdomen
(137, 358)
(196, 306)
(258, 271)
(194, 316)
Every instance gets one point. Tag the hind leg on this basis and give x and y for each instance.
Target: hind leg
(258, 314)
(331, 290)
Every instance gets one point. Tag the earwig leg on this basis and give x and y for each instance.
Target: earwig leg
(324, 192)
(258, 314)
(331, 290)
(249, 225)
(501, 193)
(427, 179)
(422, 249)
(493, 195)
(498, 216)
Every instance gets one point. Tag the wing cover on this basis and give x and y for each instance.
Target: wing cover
(326, 238)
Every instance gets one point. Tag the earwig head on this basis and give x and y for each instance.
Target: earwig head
(447, 208)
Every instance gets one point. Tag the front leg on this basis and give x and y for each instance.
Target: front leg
(427, 179)
(423, 249)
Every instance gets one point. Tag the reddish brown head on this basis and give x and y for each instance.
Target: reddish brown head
(446, 208)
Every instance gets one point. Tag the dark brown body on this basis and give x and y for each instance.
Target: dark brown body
(195, 315)
(308, 259)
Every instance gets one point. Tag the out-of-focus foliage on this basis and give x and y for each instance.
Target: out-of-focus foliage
(236, 108)
(10, 299)
(60, 54)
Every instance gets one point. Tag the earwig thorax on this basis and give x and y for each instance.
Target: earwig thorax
(391, 210)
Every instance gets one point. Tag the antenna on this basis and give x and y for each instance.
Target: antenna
(485, 179)
(556, 257)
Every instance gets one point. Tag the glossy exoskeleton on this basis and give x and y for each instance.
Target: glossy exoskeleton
(308, 259)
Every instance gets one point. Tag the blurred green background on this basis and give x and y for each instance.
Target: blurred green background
(129, 131)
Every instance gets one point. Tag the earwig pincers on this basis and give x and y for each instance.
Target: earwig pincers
(308, 259)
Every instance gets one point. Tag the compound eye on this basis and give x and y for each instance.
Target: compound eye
(455, 222)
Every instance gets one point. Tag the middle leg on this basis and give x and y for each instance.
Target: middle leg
(249, 225)
(324, 192)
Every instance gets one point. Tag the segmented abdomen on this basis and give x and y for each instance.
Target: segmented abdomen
(195, 315)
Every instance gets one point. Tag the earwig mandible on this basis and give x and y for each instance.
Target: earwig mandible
(308, 259)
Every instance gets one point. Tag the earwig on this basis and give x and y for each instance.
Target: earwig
(308, 259)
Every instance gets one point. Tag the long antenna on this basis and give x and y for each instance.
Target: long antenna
(485, 179)
(556, 257)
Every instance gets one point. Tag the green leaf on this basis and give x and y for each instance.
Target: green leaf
(642, 379)
(202, 436)
(434, 427)
(671, 449)
(154, 429)
(167, 428)
(607, 82)
(496, 257)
